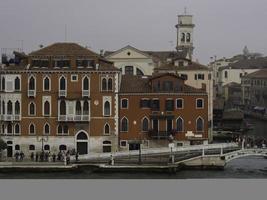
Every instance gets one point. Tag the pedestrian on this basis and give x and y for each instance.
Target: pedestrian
(46, 156)
(32, 156)
(21, 155)
(16, 156)
(77, 156)
(68, 159)
(36, 157)
(54, 157)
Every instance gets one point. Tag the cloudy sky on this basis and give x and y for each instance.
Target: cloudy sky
(223, 27)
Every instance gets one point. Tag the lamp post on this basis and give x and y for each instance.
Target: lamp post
(42, 139)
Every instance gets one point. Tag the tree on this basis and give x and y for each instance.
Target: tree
(3, 146)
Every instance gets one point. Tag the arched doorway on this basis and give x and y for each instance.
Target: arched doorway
(82, 142)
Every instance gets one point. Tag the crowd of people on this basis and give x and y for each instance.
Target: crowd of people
(46, 156)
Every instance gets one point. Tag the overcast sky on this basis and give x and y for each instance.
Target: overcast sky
(223, 27)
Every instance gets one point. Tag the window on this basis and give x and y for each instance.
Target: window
(183, 37)
(200, 76)
(85, 63)
(155, 124)
(65, 130)
(181, 63)
(169, 105)
(107, 109)
(123, 143)
(240, 75)
(184, 76)
(199, 103)
(32, 109)
(3, 83)
(46, 129)
(62, 107)
(31, 147)
(85, 108)
(225, 74)
(106, 129)
(32, 129)
(17, 84)
(110, 84)
(17, 129)
(106, 146)
(179, 124)
(145, 103)
(46, 83)
(145, 125)
(86, 83)
(124, 124)
(167, 85)
(155, 105)
(188, 37)
(17, 108)
(9, 129)
(9, 108)
(74, 78)
(46, 108)
(62, 147)
(169, 125)
(104, 84)
(62, 130)
(17, 147)
(61, 63)
(200, 124)
(3, 108)
(78, 108)
(179, 103)
(46, 147)
(124, 103)
(32, 83)
(139, 72)
(129, 70)
(59, 129)
(62, 83)
(209, 76)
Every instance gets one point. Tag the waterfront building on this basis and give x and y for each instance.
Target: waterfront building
(154, 109)
(254, 91)
(60, 97)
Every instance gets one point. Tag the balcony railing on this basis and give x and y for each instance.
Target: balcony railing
(9, 117)
(73, 118)
(161, 134)
(31, 93)
(62, 93)
(85, 93)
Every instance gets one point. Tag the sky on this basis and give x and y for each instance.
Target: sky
(223, 27)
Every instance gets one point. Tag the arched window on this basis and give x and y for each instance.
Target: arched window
(65, 129)
(17, 147)
(59, 129)
(106, 129)
(46, 108)
(17, 129)
(46, 84)
(32, 83)
(86, 108)
(3, 108)
(31, 147)
(62, 147)
(86, 83)
(139, 72)
(17, 84)
(180, 124)
(124, 124)
(32, 129)
(62, 83)
(107, 109)
(145, 125)
(82, 136)
(3, 83)
(62, 107)
(226, 74)
(110, 84)
(46, 147)
(78, 108)
(9, 129)
(9, 107)
(200, 124)
(183, 37)
(17, 108)
(188, 37)
(31, 108)
(46, 129)
(104, 84)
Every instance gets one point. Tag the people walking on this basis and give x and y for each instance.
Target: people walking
(77, 156)
(54, 157)
(16, 156)
(32, 156)
(36, 157)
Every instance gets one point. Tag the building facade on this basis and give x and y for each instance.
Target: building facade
(61, 97)
(155, 108)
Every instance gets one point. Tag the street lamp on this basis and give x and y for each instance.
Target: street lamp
(42, 139)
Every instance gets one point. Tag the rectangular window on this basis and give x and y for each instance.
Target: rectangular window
(155, 105)
(169, 105)
(124, 103)
(129, 70)
(184, 76)
(155, 124)
(179, 103)
(74, 78)
(123, 143)
(195, 76)
(145, 103)
(200, 103)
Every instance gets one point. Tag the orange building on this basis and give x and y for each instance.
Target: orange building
(157, 108)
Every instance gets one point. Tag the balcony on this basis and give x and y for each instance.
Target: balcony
(9, 117)
(31, 93)
(85, 93)
(62, 93)
(154, 134)
(73, 118)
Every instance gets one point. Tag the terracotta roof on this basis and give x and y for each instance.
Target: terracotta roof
(141, 84)
(257, 74)
(67, 49)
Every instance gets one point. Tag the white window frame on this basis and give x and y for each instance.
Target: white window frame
(44, 84)
(29, 109)
(66, 83)
(202, 103)
(46, 98)
(15, 129)
(199, 117)
(182, 124)
(35, 86)
(127, 103)
(145, 117)
(29, 130)
(44, 129)
(105, 99)
(128, 127)
(182, 103)
(74, 75)
(126, 143)
(109, 129)
(88, 83)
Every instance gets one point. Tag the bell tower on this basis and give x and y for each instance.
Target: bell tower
(185, 28)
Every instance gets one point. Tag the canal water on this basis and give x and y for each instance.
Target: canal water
(247, 167)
